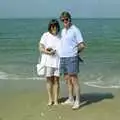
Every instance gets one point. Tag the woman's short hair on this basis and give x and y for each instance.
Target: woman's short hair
(54, 22)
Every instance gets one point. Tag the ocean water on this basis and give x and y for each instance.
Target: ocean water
(19, 53)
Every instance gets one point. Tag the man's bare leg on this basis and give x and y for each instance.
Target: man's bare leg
(70, 99)
(75, 82)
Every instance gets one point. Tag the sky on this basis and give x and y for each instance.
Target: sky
(53, 8)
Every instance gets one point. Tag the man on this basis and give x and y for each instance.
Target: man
(71, 43)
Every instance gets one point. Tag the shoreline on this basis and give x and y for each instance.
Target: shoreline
(40, 84)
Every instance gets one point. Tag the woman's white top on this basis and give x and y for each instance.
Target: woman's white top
(51, 41)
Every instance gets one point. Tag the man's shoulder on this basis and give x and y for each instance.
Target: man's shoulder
(63, 29)
(74, 27)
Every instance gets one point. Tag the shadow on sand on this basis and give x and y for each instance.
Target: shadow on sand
(89, 98)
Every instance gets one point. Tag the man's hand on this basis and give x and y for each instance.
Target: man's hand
(81, 46)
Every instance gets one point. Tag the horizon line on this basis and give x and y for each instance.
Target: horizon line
(58, 18)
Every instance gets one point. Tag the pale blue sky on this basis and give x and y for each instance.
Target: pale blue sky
(53, 8)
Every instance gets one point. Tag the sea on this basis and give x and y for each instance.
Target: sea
(19, 50)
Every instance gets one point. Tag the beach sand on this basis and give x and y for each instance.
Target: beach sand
(27, 99)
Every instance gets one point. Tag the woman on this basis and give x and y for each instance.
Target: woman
(48, 45)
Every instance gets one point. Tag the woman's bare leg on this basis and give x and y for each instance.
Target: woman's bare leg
(49, 86)
(56, 89)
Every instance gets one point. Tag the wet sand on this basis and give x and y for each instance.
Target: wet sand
(26, 100)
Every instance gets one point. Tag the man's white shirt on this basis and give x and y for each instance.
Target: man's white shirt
(70, 38)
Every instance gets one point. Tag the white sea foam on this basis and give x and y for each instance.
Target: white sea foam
(103, 81)
(22, 78)
(102, 84)
(6, 76)
(3, 75)
(99, 83)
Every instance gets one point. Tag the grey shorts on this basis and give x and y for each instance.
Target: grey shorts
(69, 65)
(50, 71)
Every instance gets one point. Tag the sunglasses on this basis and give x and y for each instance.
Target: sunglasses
(65, 19)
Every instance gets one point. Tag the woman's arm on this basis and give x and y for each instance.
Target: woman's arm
(45, 50)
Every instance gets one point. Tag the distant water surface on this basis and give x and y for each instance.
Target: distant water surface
(19, 53)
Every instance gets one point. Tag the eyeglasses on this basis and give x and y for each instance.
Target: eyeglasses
(65, 19)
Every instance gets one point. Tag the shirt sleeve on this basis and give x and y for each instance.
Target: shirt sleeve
(43, 39)
(78, 36)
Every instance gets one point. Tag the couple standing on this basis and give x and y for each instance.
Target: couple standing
(62, 58)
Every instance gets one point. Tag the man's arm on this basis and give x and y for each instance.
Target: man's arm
(81, 46)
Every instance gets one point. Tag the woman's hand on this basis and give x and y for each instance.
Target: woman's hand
(50, 51)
